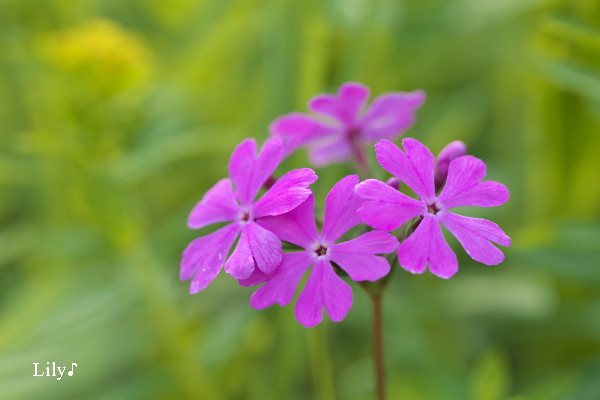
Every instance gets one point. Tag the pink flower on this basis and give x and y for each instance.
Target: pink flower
(342, 124)
(387, 209)
(324, 288)
(257, 248)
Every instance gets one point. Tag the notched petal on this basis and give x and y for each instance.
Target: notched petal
(476, 236)
(324, 289)
(340, 208)
(427, 246)
(204, 257)
(281, 286)
(358, 256)
(286, 194)
(384, 207)
(463, 186)
(217, 205)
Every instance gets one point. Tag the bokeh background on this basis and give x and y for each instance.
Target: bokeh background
(116, 116)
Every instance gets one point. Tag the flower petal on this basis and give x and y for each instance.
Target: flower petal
(241, 167)
(256, 278)
(241, 262)
(286, 194)
(267, 161)
(265, 247)
(464, 189)
(427, 245)
(332, 148)
(249, 172)
(340, 209)
(353, 97)
(297, 226)
(373, 242)
(415, 167)
(257, 248)
(386, 208)
(326, 104)
(217, 205)
(345, 106)
(205, 256)
(390, 114)
(281, 286)
(296, 129)
(476, 235)
(323, 289)
(357, 256)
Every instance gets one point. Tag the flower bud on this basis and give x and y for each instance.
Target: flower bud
(450, 152)
(393, 182)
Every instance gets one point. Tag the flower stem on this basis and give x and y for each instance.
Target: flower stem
(378, 360)
(360, 157)
(375, 291)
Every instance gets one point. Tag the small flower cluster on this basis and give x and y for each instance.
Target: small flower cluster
(338, 130)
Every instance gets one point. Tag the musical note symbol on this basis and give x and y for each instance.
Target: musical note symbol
(73, 365)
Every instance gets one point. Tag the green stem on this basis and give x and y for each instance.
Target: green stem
(378, 359)
(321, 364)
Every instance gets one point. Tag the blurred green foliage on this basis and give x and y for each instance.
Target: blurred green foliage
(116, 116)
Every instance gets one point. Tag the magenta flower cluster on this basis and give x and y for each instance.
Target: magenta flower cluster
(366, 227)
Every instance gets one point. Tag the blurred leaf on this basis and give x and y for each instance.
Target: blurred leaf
(490, 376)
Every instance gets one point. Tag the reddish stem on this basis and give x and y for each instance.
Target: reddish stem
(360, 156)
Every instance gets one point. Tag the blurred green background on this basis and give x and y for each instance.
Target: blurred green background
(116, 116)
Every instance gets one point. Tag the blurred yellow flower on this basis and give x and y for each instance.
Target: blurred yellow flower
(100, 54)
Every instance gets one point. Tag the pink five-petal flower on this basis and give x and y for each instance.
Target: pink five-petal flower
(387, 209)
(341, 122)
(258, 249)
(324, 288)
